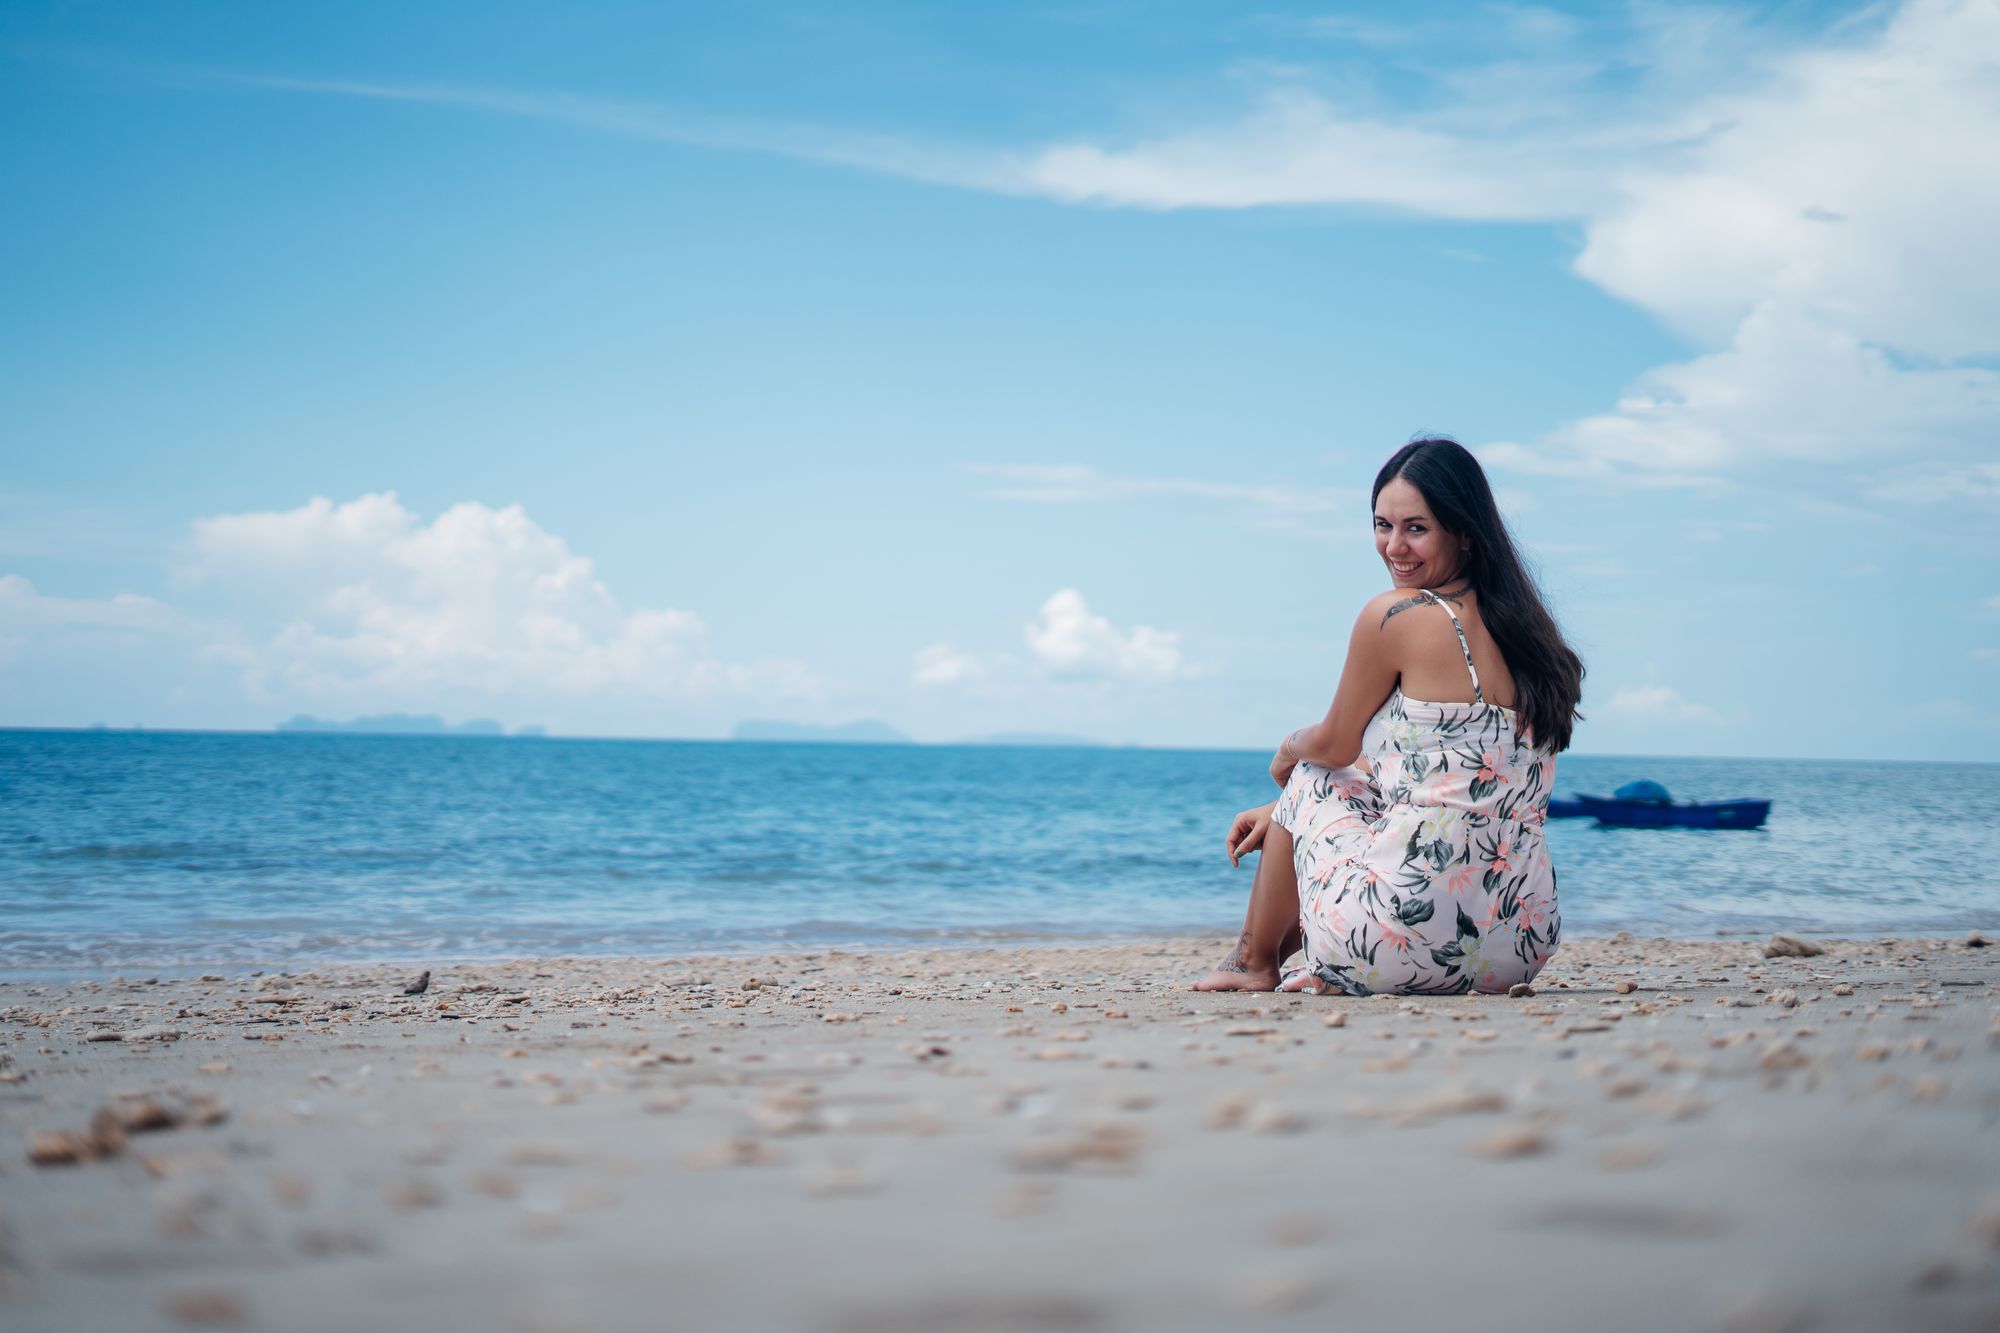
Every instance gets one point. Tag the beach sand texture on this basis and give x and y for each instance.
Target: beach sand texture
(1667, 1135)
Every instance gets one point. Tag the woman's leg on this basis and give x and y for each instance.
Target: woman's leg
(1270, 924)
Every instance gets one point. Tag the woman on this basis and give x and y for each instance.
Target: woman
(1406, 853)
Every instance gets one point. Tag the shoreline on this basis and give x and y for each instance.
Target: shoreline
(27, 975)
(1670, 1134)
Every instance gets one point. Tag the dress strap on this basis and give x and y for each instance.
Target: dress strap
(1464, 647)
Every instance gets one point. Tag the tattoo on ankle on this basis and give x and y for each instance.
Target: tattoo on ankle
(1239, 957)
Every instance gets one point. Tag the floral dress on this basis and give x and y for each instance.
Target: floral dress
(1425, 872)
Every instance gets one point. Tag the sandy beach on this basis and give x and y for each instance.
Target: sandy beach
(1666, 1135)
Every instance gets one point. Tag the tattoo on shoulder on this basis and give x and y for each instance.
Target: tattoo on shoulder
(1456, 595)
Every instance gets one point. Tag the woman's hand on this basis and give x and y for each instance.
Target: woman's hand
(1285, 760)
(1246, 831)
(1282, 765)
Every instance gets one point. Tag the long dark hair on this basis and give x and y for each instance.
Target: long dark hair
(1548, 675)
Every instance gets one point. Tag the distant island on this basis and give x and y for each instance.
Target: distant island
(866, 731)
(402, 724)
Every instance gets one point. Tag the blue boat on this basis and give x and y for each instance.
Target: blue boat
(1559, 808)
(1647, 805)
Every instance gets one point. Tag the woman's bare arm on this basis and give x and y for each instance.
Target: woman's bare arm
(1365, 681)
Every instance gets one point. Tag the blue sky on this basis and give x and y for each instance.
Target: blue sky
(637, 370)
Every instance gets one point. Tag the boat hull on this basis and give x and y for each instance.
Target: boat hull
(1702, 814)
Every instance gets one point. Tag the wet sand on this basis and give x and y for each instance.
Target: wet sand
(1667, 1135)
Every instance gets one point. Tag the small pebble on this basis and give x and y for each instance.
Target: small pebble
(1520, 990)
(733, 1150)
(1766, 1314)
(1024, 1198)
(1630, 1156)
(1226, 1113)
(1277, 1292)
(1784, 1055)
(840, 1181)
(1791, 946)
(1985, 1228)
(1940, 1275)
(1100, 1145)
(59, 1147)
(494, 1184)
(1298, 1230)
(541, 1154)
(205, 1307)
(1518, 1141)
(1276, 1119)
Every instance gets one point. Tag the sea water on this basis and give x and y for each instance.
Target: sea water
(136, 850)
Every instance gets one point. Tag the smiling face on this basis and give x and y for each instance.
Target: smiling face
(1418, 552)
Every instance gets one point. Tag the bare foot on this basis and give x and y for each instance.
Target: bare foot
(1236, 973)
(1306, 983)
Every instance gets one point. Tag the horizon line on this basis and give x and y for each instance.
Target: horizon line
(1082, 743)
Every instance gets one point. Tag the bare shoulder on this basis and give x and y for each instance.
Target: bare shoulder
(1388, 612)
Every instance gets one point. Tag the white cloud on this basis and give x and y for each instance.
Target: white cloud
(1360, 31)
(1850, 185)
(1792, 387)
(942, 664)
(1073, 642)
(1651, 703)
(1297, 149)
(1068, 644)
(1035, 483)
(382, 608)
(1822, 223)
(639, 120)
(24, 610)
(1814, 214)
(1959, 484)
